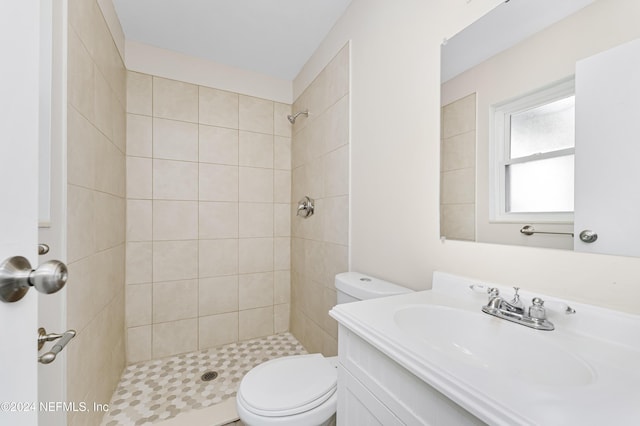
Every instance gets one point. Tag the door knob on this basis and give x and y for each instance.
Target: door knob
(17, 276)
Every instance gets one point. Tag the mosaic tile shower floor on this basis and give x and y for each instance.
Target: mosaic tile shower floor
(158, 390)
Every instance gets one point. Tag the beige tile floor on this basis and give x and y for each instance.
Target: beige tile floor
(157, 390)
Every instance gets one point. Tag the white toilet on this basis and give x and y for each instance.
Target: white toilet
(301, 390)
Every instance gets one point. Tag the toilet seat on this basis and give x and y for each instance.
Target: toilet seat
(288, 386)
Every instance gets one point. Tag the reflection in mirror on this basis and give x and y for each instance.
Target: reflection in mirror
(512, 109)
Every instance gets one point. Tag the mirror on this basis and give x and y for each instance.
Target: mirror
(517, 66)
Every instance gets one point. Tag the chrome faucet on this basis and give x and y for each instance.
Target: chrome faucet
(514, 311)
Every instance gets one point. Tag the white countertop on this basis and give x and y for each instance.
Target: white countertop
(585, 372)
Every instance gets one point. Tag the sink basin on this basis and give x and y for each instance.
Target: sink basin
(495, 346)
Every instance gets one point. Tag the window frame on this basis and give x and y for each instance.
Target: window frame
(499, 158)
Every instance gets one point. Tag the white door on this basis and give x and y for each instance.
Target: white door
(52, 198)
(607, 198)
(19, 33)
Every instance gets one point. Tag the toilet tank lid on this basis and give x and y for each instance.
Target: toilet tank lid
(364, 287)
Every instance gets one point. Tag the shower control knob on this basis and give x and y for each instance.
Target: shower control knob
(16, 277)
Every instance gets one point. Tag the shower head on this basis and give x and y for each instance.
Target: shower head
(292, 118)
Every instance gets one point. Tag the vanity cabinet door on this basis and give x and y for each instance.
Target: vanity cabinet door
(370, 381)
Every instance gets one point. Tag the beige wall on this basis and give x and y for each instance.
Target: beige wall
(95, 210)
(458, 169)
(321, 171)
(208, 217)
(395, 103)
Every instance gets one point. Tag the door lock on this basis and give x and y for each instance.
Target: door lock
(16, 277)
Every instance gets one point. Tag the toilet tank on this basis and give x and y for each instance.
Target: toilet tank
(354, 286)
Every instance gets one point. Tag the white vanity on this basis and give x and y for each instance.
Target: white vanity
(435, 358)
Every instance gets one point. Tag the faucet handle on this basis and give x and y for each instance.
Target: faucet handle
(485, 289)
(516, 298)
(537, 310)
(560, 306)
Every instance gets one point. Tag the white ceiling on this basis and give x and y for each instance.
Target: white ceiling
(271, 37)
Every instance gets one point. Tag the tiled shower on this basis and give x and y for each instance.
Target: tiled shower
(183, 236)
(208, 217)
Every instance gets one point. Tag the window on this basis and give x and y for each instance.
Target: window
(532, 156)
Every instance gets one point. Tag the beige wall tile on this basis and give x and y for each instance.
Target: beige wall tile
(256, 149)
(175, 300)
(255, 323)
(256, 115)
(255, 290)
(255, 255)
(281, 315)
(110, 166)
(282, 220)
(336, 172)
(81, 147)
(175, 180)
(139, 220)
(139, 93)
(281, 125)
(80, 77)
(176, 337)
(218, 182)
(102, 104)
(337, 76)
(459, 152)
(458, 186)
(175, 260)
(217, 295)
(336, 132)
(175, 220)
(96, 213)
(256, 185)
(335, 260)
(119, 124)
(139, 178)
(336, 229)
(218, 107)
(458, 221)
(218, 257)
(139, 265)
(281, 186)
(282, 153)
(110, 226)
(308, 180)
(218, 220)
(139, 135)
(81, 236)
(138, 307)
(175, 100)
(218, 145)
(282, 287)
(217, 330)
(459, 117)
(175, 140)
(319, 249)
(138, 344)
(282, 254)
(80, 303)
(256, 220)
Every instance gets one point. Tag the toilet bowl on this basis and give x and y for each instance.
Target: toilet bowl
(294, 390)
(300, 390)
